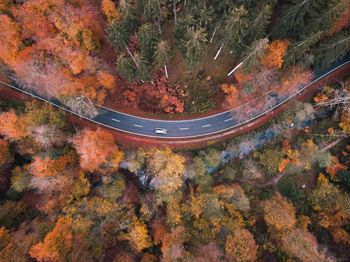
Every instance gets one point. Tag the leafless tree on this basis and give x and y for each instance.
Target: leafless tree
(81, 105)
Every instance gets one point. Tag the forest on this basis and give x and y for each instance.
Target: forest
(77, 192)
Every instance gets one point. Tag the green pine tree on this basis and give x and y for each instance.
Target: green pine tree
(332, 49)
(147, 37)
(298, 49)
(255, 52)
(236, 24)
(195, 45)
(126, 68)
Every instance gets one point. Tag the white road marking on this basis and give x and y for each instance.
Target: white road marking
(138, 125)
(229, 119)
(116, 120)
(207, 125)
(184, 128)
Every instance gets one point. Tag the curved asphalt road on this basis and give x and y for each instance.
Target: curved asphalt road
(197, 127)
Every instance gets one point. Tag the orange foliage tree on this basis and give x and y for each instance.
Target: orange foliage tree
(240, 246)
(12, 126)
(4, 153)
(56, 244)
(109, 10)
(46, 167)
(59, 62)
(10, 39)
(279, 213)
(231, 98)
(97, 148)
(275, 52)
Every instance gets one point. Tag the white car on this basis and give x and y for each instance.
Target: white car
(162, 131)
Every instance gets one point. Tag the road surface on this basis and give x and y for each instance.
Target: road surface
(197, 127)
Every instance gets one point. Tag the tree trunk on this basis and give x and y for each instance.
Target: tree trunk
(132, 57)
(234, 69)
(219, 51)
(216, 28)
(166, 71)
(174, 4)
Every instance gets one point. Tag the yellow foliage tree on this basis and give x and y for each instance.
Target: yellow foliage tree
(168, 169)
(240, 246)
(139, 237)
(109, 10)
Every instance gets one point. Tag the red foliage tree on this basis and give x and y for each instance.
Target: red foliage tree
(12, 126)
(96, 148)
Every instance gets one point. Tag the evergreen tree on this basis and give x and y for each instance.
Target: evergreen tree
(118, 34)
(332, 49)
(128, 14)
(162, 55)
(195, 44)
(126, 68)
(147, 36)
(260, 18)
(255, 53)
(322, 19)
(292, 21)
(203, 14)
(236, 23)
(297, 50)
(180, 33)
(154, 9)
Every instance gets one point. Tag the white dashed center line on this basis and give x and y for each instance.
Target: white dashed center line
(207, 125)
(229, 119)
(138, 125)
(116, 120)
(184, 128)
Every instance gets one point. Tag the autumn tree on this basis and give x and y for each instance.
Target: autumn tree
(139, 236)
(279, 213)
(97, 149)
(12, 126)
(303, 245)
(240, 246)
(5, 156)
(168, 171)
(275, 53)
(56, 244)
(110, 11)
(46, 114)
(11, 41)
(20, 179)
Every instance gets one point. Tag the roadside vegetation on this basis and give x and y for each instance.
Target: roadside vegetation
(165, 56)
(278, 193)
